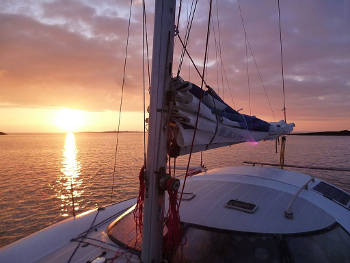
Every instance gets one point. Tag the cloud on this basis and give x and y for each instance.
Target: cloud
(70, 54)
(50, 65)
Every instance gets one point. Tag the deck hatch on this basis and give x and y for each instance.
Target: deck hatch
(332, 193)
(241, 205)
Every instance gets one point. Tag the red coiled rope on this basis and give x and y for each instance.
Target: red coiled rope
(138, 211)
(172, 221)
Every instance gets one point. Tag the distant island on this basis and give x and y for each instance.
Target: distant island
(111, 132)
(2, 133)
(325, 133)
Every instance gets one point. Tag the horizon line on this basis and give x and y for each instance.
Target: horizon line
(64, 132)
(128, 131)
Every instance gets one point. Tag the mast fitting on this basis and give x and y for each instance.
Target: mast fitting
(166, 181)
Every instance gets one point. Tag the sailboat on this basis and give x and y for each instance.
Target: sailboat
(233, 214)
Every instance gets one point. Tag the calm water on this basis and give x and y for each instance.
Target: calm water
(38, 171)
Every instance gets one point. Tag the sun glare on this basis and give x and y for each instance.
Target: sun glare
(69, 120)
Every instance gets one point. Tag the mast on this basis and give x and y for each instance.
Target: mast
(163, 48)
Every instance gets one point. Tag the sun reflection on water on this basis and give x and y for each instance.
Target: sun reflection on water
(69, 182)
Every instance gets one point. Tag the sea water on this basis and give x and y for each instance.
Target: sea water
(45, 177)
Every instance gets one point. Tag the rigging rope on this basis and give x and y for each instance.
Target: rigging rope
(255, 62)
(178, 16)
(138, 211)
(222, 65)
(282, 69)
(172, 221)
(284, 139)
(283, 148)
(143, 84)
(227, 84)
(246, 55)
(147, 49)
(262, 82)
(220, 51)
(144, 41)
(223, 72)
(121, 99)
(189, 62)
(85, 235)
(72, 193)
(216, 62)
(256, 65)
(187, 34)
(199, 104)
(194, 64)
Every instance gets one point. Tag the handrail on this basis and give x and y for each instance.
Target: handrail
(288, 212)
(303, 167)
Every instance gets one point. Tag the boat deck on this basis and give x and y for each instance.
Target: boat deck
(271, 192)
(83, 239)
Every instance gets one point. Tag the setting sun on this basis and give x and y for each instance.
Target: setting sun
(69, 120)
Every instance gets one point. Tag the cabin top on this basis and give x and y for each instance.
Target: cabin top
(255, 199)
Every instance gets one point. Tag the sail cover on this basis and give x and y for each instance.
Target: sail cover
(218, 124)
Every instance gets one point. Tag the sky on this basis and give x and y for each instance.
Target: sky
(61, 61)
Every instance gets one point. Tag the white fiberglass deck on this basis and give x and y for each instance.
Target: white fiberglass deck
(271, 190)
(58, 242)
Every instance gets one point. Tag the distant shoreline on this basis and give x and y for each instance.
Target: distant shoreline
(325, 133)
(2, 133)
(111, 132)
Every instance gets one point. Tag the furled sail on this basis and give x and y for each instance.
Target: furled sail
(218, 124)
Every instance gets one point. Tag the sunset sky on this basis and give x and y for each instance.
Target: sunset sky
(63, 60)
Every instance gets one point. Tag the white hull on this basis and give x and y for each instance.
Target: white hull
(53, 244)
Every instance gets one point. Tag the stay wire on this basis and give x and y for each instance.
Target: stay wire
(224, 80)
(178, 16)
(83, 237)
(216, 60)
(282, 68)
(256, 65)
(199, 104)
(246, 55)
(121, 99)
(187, 35)
(220, 53)
(147, 49)
(261, 80)
(72, 193)
(143, 80)
(227, 85)
(192, 61)
(189, 62)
